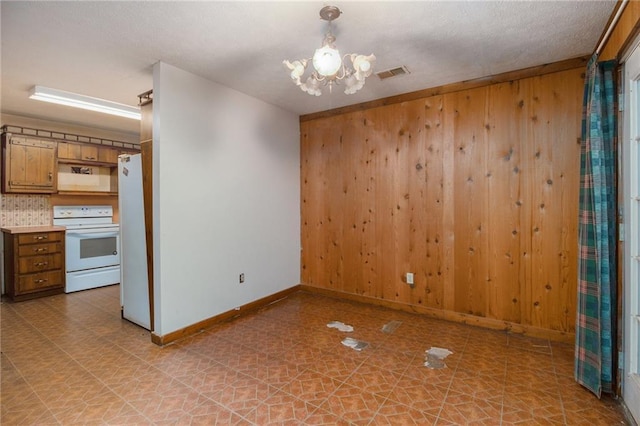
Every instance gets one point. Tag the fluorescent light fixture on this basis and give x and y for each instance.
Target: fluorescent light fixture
(85, 102)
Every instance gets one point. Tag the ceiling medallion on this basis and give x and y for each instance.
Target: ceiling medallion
(329, 67)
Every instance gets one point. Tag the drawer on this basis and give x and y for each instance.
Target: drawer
(33, 249)
(46, 262)
(41, 281)
(40, 237)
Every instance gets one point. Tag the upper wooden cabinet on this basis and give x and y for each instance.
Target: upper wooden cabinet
(76, 151)
(29, 165)
(38, 161)
(82, 153)
(109, 155)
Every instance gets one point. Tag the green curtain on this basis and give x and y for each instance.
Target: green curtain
(596, 315)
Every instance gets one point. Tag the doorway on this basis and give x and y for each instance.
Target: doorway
(631, 213)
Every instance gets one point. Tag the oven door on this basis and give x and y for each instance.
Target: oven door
(92, 248)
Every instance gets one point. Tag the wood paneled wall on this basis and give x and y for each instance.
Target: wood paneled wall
(475, 192)
(623, 33)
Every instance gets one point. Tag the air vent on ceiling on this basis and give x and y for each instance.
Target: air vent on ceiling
(392, 72)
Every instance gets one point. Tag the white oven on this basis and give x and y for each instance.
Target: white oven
(92, 246)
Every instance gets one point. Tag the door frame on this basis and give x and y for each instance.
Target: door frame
(630, 150)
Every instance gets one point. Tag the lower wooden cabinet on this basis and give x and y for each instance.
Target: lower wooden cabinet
(34, 263)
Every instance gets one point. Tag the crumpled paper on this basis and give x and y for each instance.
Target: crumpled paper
(358, 345)
(435, 356)
(340, 326)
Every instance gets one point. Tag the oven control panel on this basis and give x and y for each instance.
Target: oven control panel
(60, 212)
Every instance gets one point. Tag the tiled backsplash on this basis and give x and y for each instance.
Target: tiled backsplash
(25, 210)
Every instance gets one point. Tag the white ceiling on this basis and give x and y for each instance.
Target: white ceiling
(108, 49)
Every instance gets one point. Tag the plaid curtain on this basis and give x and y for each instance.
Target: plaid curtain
(596, 316)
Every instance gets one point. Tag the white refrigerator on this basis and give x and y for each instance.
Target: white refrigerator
(134, 289)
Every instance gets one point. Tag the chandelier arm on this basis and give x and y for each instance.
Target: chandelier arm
(351, 70)
(318, 77)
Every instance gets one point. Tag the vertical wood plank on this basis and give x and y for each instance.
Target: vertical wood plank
(353, 193)
(448, 204)
(568, 104)
(554, 228)
(385, 205)
(18, 163)
(430, 221)
(369, 178)
(402, 132)
(314, 197)
(503, 178)
(527, 183)
(471, 202)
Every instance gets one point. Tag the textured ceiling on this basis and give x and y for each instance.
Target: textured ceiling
(108, 49)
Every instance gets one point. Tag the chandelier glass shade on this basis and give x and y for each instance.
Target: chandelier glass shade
(329, 67)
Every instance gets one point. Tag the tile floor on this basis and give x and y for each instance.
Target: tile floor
(70, 359)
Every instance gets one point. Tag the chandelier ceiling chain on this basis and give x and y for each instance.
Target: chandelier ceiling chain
(329, 67)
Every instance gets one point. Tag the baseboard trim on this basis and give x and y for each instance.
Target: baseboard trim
(494, 324)
(209, 322)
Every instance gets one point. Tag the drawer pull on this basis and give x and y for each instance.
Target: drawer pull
(39, 250)
(44, 280)
(40, 237)
(41, 264)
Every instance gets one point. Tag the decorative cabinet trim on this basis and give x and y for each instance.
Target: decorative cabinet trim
(66, 137)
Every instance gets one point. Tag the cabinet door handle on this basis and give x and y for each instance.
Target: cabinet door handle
(50, 176)
(40, 237)
(40, 281)
(41, 264)
(39, 250)
(89, 158)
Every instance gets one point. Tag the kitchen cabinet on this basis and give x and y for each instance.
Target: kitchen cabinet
(80, 153)
(77, 151)
(36, 161)
(29, 165)
(108, 155)
(88, 168)
(34, 263)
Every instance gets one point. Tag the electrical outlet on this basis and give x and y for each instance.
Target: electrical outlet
(409, 278)
(241, 278)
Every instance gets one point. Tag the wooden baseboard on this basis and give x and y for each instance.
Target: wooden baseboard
(490, 323)
(461, 318)
(209, 322)
(30, 296)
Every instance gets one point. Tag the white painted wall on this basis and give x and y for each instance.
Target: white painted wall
(226, 198)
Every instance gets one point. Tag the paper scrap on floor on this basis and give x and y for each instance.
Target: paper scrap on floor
(435, 356)
(391, 326)
(340, 326)
(358, 345)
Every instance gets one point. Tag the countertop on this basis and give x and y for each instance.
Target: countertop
(29, 229)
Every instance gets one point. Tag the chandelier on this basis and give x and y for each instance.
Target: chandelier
(329, 67)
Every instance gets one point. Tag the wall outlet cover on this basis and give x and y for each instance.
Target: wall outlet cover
(409, 278)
